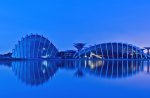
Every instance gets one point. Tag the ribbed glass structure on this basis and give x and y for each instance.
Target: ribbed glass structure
(34, 46)
(112, 51)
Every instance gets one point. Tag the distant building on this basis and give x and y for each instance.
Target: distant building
(68, 54)
(7, 55)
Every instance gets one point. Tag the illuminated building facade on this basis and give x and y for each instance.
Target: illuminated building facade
(111, 51)
(34, 46)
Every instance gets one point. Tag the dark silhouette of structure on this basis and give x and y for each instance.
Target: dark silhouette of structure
(7, 55)
(79, 46)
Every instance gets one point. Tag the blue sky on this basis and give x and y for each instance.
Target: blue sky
(67, 21)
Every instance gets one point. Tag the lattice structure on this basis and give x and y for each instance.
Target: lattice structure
(112, 51)
(34, 46)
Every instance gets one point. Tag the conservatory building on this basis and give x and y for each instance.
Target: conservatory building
(34, 46)
(112, 51)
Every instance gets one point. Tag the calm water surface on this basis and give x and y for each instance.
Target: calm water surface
(75, 79)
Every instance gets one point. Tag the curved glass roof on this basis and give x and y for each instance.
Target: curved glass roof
(34, 46)
(111, 51)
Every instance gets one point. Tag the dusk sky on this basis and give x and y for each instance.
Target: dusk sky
(70, 21)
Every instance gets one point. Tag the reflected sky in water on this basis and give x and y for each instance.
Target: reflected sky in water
(75, 78)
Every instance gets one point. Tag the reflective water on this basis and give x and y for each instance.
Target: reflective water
(74, 79)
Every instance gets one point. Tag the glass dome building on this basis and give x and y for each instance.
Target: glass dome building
(112, 51)
(34, 46)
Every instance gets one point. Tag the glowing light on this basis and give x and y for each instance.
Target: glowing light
(93, 54)
(44, 48)
(45, 63)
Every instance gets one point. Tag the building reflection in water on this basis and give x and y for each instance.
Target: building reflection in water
(111, 68)
(35, 73)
